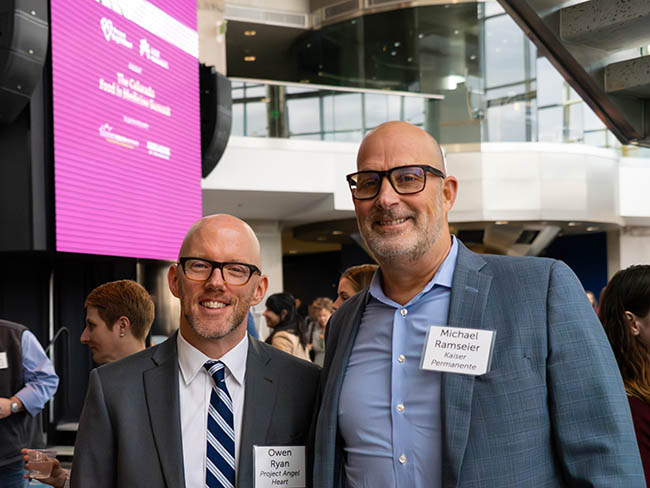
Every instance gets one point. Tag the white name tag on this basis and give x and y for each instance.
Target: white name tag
(4, 364)
(458, 350)
(279, 466)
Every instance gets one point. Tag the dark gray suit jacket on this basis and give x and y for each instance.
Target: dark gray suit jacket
(130, 433)
(551, 412)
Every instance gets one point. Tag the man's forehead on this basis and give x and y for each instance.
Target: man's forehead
(222, 242)
(391, 148)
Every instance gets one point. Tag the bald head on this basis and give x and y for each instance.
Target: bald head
(397, 137)
(213, 229)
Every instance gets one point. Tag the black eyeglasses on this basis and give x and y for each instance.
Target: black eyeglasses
(237, 274)
(405, 180)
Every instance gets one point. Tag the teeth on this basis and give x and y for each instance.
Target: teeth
(213, 304)
(392, 222)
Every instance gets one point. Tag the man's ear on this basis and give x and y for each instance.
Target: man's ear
(449, 190)
(283, 314)
(260, 290)
(172, 279)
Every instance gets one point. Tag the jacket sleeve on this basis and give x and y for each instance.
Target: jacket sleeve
(94, 453)
(590, 415)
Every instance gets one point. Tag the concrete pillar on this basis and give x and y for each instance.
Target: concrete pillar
(270, 236)
(211, 26)
(627, 246)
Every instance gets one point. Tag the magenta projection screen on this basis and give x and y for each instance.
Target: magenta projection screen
(127, 144)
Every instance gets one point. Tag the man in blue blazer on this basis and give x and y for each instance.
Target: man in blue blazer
(551, 411)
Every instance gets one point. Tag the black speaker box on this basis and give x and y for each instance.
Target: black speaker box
(23, 47)
(216, 117)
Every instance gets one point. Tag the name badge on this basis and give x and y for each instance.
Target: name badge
(458, 350)
(279, 466)
(4, 364)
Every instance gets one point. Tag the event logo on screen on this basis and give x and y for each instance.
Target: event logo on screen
(126, 126)
(112, 33)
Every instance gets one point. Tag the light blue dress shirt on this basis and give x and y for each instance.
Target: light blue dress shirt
(38, 375)
(389, 409)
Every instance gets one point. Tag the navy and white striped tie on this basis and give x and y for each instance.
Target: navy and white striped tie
(220, 449)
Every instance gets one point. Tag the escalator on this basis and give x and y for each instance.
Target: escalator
(601, 49)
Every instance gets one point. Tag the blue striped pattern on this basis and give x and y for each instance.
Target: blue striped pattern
(220, 462)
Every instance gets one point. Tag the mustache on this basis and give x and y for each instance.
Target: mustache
(388, 214)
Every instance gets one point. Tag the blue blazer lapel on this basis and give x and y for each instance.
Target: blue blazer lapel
(469, 294)
(163, 404)
(258, 402)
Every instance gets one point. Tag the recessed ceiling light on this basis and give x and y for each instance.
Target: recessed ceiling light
(249, 59)
(293, 251)
(501, 222)
(593, 228)
(572, 224)
(250, 33)
(321, 238)
(337, 232)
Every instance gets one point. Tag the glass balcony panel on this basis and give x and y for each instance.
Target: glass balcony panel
(237, 127)
(414, 110)
(303, 115)
(256, 125)
(507, 123)
(347, 111)
(504, 52)
(380, 108)
(550, 124)
(550, 84)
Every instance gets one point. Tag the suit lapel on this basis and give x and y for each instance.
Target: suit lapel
(348, 319)
(258, 401)
(469, 294)
(163, 404)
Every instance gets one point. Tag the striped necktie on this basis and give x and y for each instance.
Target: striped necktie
(220, 449)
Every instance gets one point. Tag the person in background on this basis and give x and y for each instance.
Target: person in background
(287, 334)
(352, 281)
(322, 310)
(119, 315)
(27, 382)
(625, 315)
(250, 326)
(592, 298)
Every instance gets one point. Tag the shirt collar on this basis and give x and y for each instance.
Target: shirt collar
(191, 360)
(443, 277)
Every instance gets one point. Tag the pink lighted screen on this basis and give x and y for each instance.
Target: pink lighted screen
(127, 145)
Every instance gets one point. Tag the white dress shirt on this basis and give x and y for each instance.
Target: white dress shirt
(195, 387)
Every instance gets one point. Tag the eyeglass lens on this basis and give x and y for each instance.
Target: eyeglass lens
(235, 274)
(409, 179)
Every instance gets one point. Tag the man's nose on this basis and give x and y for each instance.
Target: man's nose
(84, 336)
(387, 196)
(216, 279)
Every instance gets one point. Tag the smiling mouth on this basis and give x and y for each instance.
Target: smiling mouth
(387, 223)
(213, 305)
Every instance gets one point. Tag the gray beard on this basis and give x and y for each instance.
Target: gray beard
(387, 251)
(237, 318)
